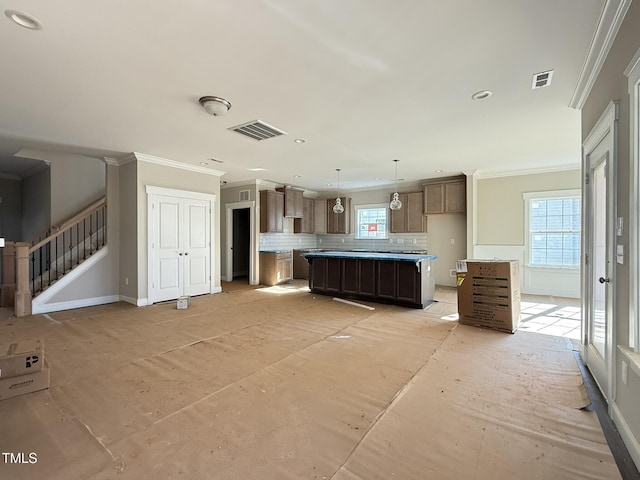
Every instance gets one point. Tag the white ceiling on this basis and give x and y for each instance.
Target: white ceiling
(363, 82)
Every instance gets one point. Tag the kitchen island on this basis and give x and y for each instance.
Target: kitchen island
(405, 279)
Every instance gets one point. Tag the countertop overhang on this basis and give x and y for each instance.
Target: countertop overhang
(401, 257)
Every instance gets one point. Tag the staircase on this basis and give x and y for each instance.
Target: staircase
(43, 262)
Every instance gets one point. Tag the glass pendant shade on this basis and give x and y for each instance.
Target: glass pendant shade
(395, 204)
(338, 208)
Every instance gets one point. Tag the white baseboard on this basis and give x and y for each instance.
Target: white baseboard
(71, 304)
(138, 302)
(629, 439)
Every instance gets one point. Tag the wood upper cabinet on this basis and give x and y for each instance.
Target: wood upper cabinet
(320, 216)
(305, 224)
(339, 222)
(293, 202)
(410, 218)
(447, 195)
(271, 211)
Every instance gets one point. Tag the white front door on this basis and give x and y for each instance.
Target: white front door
(599, 315)
(180, 247)
(599, 200)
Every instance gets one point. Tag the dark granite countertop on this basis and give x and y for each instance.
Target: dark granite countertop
(369, 255)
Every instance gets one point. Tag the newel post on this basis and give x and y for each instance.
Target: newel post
(23, 292)
(8, 274)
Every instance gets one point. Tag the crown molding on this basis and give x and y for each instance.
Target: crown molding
(142, 157)
(531, 171)
(35, 169)
(609, 23)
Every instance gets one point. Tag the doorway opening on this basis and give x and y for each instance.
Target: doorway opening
(241, 244)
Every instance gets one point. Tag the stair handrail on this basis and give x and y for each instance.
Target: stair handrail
(53, 236)
(71, 219)
(45, 232)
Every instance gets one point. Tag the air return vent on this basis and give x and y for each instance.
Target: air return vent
(257, 130)
(542, 79)
(244, 195)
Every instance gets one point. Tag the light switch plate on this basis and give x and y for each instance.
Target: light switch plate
(1, 242)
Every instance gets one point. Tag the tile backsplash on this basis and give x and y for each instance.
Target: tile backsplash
(396, 241)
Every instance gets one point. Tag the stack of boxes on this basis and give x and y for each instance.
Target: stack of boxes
(489, 293)
(22, 368)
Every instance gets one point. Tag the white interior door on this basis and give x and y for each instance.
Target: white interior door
(197, 277)
(599, 199)
(168, 268)
(180, 247)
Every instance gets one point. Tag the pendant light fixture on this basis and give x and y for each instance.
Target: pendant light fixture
(338, 208)
(396, 204)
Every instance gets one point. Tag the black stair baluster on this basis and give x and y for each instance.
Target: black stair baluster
(104, 224)
(33, 271)
(55, 260)
(84, 238)
(49, 262)
(64, 256)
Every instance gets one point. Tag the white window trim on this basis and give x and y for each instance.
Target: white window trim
(527, 196)
(356, 208)
(633, 74)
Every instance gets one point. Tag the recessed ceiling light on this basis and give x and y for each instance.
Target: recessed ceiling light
(439, 171)
(24, 19)
(257, 169)
(482, 94)
(297, 176)
(299, 140)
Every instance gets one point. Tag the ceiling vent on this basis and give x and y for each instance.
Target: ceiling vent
(257, 130)
(244, 195)
(542, 79)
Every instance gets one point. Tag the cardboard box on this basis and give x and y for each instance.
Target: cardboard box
(31, 382)
(20, 358)
(489, 293)
(184, 302)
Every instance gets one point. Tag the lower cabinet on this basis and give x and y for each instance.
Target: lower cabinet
(388, 281)
(276, 267)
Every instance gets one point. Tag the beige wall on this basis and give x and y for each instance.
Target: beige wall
(167, 177)
(611, 85)
(500, 206)
(442, 230)
(75, 182)
(128, 231)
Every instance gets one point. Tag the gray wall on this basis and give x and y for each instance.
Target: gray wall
(10, 209)
(36, 203)
(611, 85)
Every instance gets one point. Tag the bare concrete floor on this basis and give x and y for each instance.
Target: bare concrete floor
(278, 383)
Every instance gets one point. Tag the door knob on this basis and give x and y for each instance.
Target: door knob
(604, 280)
(186, 253)
(180, 254)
